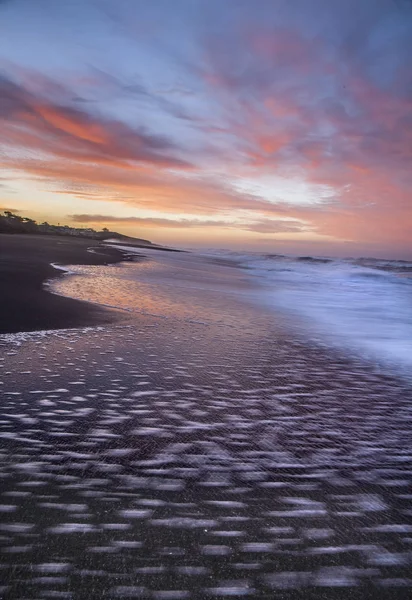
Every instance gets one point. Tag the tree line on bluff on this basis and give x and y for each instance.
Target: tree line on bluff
(12, 223)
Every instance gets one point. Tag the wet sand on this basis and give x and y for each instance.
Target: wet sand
(170, 459)
(25, 264)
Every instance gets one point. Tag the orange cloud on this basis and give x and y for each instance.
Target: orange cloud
(91, 132)
(27, 121)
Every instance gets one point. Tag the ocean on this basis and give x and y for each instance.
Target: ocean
(362, 306)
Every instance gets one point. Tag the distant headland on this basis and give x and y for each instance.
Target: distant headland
(13, 223)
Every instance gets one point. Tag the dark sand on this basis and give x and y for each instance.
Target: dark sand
(169, 460)
(24, 267)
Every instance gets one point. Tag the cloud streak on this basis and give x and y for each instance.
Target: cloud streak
(31, 122)
(270, 226)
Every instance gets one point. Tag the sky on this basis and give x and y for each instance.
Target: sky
(268, 125)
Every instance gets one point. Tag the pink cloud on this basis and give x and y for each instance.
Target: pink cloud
(296, 109)
(30, 121)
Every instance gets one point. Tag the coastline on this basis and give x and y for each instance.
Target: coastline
(26, 264)
(208, 450)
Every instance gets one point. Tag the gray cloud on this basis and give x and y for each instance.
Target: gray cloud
(264, 226)
(145, 221)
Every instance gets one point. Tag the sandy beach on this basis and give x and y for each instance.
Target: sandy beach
(26, 264)
(174, 457)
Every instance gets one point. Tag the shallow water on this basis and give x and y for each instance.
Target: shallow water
(363, 306)
(178, 286)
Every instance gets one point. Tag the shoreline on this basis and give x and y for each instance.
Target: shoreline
(140, 457)
(28, 262)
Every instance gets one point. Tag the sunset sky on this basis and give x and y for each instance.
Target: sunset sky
(281, 125)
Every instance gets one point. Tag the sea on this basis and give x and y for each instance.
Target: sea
(361, 305)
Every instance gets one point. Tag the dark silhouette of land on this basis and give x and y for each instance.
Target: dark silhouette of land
(14, 223)
(24, 267)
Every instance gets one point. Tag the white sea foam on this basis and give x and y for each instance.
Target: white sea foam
(363, 304)
(61, 268)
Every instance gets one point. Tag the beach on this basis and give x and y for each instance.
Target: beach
(202, 446)
(26, 264)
